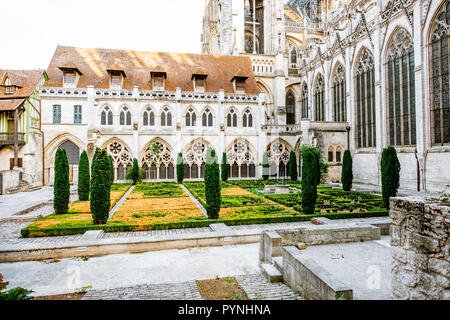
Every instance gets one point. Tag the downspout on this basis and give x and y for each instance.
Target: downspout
(418, 170)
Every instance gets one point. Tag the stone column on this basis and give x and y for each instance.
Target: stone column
(135, 122)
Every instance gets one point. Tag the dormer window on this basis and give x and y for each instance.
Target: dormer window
(116, 77)
(71, 75)
(239, 84)
(199, 81)
(9, 88)
(158, 80)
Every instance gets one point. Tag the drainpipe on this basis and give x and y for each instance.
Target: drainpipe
(418, 170)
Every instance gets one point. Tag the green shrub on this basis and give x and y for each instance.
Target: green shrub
(100, 187)
(84, 177)
(265, 167)
(310, 178)
(61, 186)
(212, 185)
(224, 167)
(13, 294)
(390, 174)
(323, 166)
(111, 168)
(134, 173)
(293, 166)
(347, 171)
(180, 168)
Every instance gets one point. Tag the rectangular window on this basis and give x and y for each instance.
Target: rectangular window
(76, 114)
(56, 114)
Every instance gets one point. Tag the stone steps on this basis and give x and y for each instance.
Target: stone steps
(278, 262)
(271, 273)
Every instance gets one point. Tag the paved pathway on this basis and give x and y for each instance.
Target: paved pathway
(258, 288)
(198, 204)
(120, 202)
(163, 291)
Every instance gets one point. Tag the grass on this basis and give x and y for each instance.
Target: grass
(221, 289)
(165, 205)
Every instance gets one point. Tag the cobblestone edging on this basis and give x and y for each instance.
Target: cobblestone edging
(199, 205)
(163, 291)
(255, 285)
(258, 288)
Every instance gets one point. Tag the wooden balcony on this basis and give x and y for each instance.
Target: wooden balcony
(7, 138)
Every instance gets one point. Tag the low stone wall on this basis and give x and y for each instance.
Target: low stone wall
(10, 179)
(311, 281)
(269, 246)
(329, 233)
(420, 249)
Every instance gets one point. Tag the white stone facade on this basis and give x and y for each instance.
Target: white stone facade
(353, 40)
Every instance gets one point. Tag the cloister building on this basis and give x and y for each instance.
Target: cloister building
(273, 75)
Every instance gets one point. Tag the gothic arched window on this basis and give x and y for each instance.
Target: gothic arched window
(290, 108)
(166, 117)
(106, 117)
(191, 118)
(232, 118)
(400, 90)
(304, 102)
(207, 118)
(278, 159)
(319, 99)
(247, 119)
(439, 73)
(125, 117)
(242, 159)
(148, 118)
(122, 158)
(338, 90)
(293, 56)
(157, 161)
(365, 101)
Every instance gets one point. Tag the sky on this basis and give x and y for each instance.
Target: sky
(31, 29)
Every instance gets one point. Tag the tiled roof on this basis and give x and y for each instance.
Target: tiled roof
(10, 104)
(27, 80)
(137, 65)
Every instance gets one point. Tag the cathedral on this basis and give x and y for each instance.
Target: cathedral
(273, 75)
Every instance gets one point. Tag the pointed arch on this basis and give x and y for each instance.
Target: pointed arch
(207, 117)
(290, 107)
(241, 158)
(400, 88)
(278, 152)
(157, 160)
(231, 117)
(304, 100)
(364, 77)
(148, 116)
(106, 116)
(319, 98)
(125, 116)
(52, 146)
(338, 92)
(194, 158)
(247, 118)
(121, 155)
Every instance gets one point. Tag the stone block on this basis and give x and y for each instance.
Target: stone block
(398, 254)
(271, 273)
(418, 260)
(439, 266)
(426, 244)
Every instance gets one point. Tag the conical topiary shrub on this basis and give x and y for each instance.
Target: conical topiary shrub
(390, 174)
(180, 168)
(111, 169)
(61, 184)
(224, 168)
(310, 178)
(293, 166)
(347, 171)
(100, 187)
(212, 185)
(265, 167)
(133, 172)
(84, 178)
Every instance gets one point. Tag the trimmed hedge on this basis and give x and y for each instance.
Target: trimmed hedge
(61, 185)
(212, 185)
(310, 178)
(38, 232)
(100, 187)
(265, 167)
(390, 174)
(180, 167)
(293, 166)
(347, 171)
(84, 177)
(224, 168)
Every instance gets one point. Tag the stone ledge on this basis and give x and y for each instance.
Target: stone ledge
(310, 280)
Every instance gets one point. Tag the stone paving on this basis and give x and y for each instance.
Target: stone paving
(164, 291)
(258, 288)
(255, 285)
